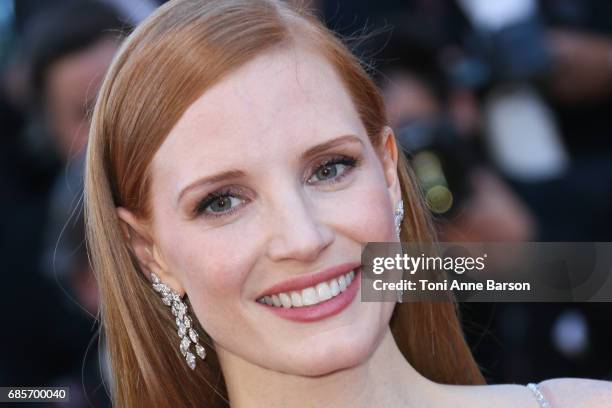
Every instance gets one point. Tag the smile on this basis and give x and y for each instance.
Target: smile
(313, 297)
(310, 295)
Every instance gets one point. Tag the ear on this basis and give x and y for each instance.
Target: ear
(138, 238)
(389, 159)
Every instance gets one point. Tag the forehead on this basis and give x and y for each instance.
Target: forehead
(285, 99)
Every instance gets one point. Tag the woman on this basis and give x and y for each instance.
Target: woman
(246, 123)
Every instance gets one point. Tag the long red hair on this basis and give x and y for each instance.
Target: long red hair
(179, 52)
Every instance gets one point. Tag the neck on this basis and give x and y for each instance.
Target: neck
(386, 379)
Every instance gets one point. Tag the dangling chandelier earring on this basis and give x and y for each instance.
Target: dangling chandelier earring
(399, 216)
(184, 324)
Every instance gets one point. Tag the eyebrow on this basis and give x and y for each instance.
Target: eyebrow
(235, 174)
(320, 148)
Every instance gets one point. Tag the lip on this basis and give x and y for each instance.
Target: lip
(302, 282)
(321, 310)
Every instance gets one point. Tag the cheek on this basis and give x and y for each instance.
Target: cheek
(367, 211)
(213, 275)
(206, 265)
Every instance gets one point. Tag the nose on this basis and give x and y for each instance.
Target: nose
(297, 231)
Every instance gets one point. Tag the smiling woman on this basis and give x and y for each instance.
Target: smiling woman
(238, 161)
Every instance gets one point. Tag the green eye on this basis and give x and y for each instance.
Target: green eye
(221, 204)
(333, 170)
(218, 204)
(326, 172)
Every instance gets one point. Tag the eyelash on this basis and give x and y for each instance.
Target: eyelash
(200, 208)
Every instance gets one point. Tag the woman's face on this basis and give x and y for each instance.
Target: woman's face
(269, 179)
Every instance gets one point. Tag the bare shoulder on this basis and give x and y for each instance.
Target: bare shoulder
(577, 392)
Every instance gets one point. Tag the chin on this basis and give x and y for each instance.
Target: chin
(333, 353)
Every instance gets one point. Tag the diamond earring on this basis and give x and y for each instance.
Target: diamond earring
(186, 331)
(399, 216)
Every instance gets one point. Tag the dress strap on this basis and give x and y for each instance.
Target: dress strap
(539, 396)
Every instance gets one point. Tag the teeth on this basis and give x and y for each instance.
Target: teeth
(311, 295)
(296, 299)
(323, 291)
(276, 301)
(334, 287)
(342, 283)
(285, 300)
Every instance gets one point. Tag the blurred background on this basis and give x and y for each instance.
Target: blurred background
(503, 108)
